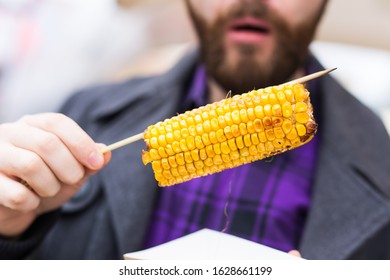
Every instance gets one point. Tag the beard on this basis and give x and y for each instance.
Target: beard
(253, 69)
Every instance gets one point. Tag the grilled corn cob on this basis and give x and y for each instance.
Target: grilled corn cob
(229, 133)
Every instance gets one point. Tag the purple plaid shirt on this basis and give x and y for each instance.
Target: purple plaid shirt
(265, 201)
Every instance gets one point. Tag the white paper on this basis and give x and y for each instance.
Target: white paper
(209, 244)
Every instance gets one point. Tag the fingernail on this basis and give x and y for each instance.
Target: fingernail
(96, 160)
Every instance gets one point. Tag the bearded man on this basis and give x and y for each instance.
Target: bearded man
(329, 198)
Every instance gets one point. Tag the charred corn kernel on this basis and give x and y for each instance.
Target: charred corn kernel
(287, 126)
(258, 125)
(267, 122)
(277, 121)
(300, 107)
(301, 129)
(228, 133)
(270, 134)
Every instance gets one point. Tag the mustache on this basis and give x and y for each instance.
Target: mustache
(256, 9)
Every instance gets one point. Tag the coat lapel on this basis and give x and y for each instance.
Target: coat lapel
(350, 201)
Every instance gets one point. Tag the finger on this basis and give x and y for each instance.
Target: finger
(76, 139)
(30, 167)
(106, 157)
(52, 151)
(15, 196)
(295, 253)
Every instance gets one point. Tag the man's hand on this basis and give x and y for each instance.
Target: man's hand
(54, 156)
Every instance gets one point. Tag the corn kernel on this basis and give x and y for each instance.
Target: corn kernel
(209, 151)
(270, 134)
(254, 139)
(220, 136)
(228, 132)
(236, 117)
(232, 144)
(180, 159)
(279, 132)
(300, 107)
(213, 137)
(267, 110)
(217, 149)
(287, 126)
(198, 142)
(301, 129)
(262, 136)
(225, 148)
(154, 154)
(302, 117)
(243, 129)
(161, 152)
(202, 154)
(205, 139)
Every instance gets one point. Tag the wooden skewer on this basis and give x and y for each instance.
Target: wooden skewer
(140, 136)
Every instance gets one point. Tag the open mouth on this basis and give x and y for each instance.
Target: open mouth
(248, 30)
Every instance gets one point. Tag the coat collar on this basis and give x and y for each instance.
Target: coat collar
(350, 201)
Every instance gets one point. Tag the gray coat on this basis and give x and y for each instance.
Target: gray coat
(350, 212)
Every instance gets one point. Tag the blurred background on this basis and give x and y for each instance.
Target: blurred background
(51, 48)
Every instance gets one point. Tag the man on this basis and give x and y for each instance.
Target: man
(329, 198)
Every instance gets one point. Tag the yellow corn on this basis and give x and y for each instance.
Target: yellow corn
(229, 133)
